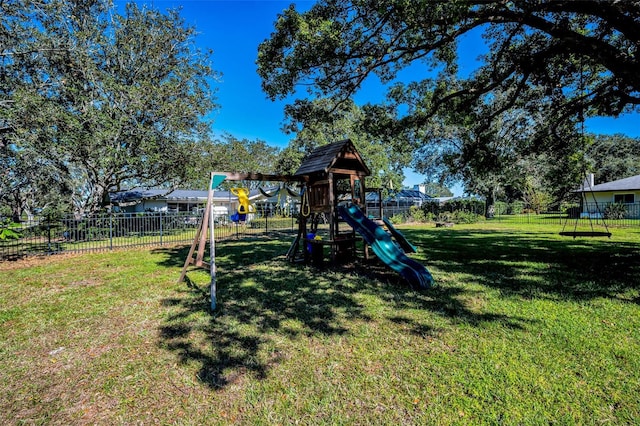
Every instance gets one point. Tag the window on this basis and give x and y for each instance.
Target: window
(624, 198)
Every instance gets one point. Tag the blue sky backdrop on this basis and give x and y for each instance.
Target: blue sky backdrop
(234, 29)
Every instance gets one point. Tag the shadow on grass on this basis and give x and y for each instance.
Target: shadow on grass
(534, 265)
(258, 293)
(262, 299)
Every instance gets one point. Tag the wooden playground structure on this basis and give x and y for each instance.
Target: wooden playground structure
(330, 178)
(331, 173)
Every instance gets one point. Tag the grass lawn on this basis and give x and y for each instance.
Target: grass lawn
(524, 327)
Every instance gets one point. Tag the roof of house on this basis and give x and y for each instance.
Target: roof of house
(137, 195)
(405, 194)
(627, 184)
(412, 193)
(186, 194)
(340, 156)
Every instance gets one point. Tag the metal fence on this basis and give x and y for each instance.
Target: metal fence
(69, 234)
(590, 214)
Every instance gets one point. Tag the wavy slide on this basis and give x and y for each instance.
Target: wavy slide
(384, 247)
(397, 235)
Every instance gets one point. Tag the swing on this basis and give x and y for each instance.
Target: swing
(592, 233)
(278, 203)
(243, 200)
(272, 194)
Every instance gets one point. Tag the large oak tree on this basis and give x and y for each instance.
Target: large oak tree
(558, 61)
(109, 97)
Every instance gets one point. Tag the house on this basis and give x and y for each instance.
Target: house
(402, 198)
(596, 198)
(138, 200)
(398, 203)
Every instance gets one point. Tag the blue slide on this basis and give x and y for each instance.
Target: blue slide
(397, 235)
(384, 247)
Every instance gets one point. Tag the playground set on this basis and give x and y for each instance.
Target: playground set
(332, 187)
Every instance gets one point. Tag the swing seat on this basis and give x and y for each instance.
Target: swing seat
(585, 234)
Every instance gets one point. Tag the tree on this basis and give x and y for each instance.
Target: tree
(320, 122)
(117, 99)
(613, 157)
(243, 155)
(230, 154)
(435, 189)
(30, 182)
(563, 59)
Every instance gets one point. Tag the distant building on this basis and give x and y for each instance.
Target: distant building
(138, 200)
(596, 198)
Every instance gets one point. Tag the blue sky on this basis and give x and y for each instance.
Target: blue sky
(234, 29)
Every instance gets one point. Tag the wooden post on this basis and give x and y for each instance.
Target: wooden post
(200, 238)
(212, 247)
(206, 224)
(363, 195)
(332, 215)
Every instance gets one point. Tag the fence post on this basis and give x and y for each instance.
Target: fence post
(266, 223)
(160, 218)
(49, 234)
(110, 230)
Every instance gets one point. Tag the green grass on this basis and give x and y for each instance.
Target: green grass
(524, 327)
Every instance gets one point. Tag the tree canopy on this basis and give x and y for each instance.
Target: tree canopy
(613, 157)
(104, 98)
(320, 122)
(335, 46)
(553, 62)
(227, 153)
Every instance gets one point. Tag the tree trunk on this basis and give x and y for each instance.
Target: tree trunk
(490, 204)
(16, 207)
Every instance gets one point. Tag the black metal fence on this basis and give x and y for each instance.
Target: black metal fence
(69, 234)
(587, 215)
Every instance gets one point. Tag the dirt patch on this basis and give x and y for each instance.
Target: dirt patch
(31, 261)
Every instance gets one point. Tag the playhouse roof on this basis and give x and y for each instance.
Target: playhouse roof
(340, 158)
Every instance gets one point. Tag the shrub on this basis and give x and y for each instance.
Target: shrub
(466, 217)
(517, 207)
(416, 214)
(471, 205)
(615, 211)
(445, 217)
(431, 207)
(396, 219)
(7, 233)
(501, 208)
(429, 217)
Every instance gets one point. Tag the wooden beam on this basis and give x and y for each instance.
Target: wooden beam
(347, 172)
(236, 176)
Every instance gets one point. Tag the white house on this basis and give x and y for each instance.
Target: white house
(596, 198)
(138, 200)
